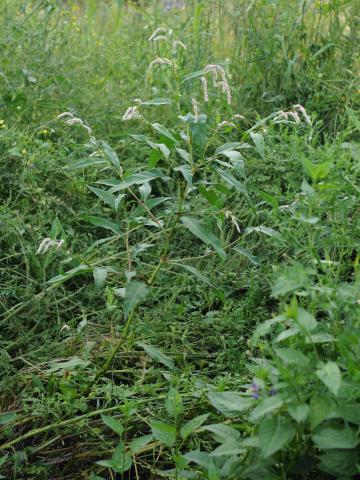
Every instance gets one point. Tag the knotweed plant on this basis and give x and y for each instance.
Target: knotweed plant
(185, 189)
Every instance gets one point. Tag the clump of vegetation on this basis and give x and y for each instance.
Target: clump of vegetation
(180, 285)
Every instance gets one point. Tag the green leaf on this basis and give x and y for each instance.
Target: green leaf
(157, 147)
(7, 418)
(183, 154)
(139, 443)
(120, 461)
(291, 356)
(157, 355)
(200, 458)
(210, 196)
(299, 412)
(350, 413)
(135, 293)
(164, 432)
(106, 463)
(229, 448)
(305, 319)
(320, 338)
(164, 132)
(268, 405)
(194, 271)
(230, 403)
(189, 427)
(270, 232)
(274, 434)
(231, 180)
(336, 438)
(173, 402)
(200, 231)
(114, 424)
(270, 199)
(105, 196)
(330, 375)
(79, 270)
(157, 101)
(265, 327)
(199, 73)
(290, 280)
(353, 118)
(322, 50)
(340, 462)
(103, 223)
(321, 408)
(186, 172)
(222, 432)
(111, 156)
(252, 258)
(316, 172)
(259, 143)
(70, 365)
(87, 163)
(139, 179)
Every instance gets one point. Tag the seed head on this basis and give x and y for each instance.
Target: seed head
(159, 37)
(156, 33)
(132, 113)
(72, 120)
(237, 116)
(178, 43)
(205, 88)
(302, 110)
(47, 243)
(196, 109)
(216, 70)
(160, 61)
(64, 114)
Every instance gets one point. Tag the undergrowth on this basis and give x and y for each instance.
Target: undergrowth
(180, 230)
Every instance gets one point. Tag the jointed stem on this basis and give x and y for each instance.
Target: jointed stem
(151, 280)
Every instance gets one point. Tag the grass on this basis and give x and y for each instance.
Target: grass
(205, 323)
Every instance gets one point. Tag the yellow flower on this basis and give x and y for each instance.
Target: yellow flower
(45, 132)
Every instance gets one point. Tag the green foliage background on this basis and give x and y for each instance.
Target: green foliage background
(239, 368)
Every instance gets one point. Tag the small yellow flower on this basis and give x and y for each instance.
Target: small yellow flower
(45, 132)
(23, 150)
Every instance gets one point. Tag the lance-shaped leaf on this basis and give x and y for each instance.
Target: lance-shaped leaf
(103, 222)
(135, 293)
(107, 197)
(111, 156)
(199, 230)
(157, 101)
(186, 172)
(194, 271)
(157, 355)
(231, 180)
(164, 132)
(164, 432)
(139, 179)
